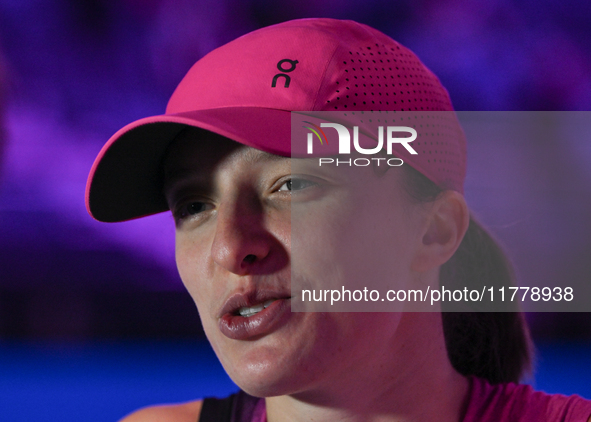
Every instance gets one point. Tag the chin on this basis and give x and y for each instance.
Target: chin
(268, 386)
(265, 373)
(267, 390)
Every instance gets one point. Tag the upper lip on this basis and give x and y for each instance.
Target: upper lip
(251, 297)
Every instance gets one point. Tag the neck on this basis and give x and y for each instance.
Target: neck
(410, 379)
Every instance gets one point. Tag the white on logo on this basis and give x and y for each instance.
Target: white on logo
(345, 139)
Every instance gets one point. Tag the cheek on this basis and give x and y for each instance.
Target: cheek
(360, 244)
(191, 261)
(192, 264)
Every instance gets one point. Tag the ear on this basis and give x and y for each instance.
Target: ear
(445, 225)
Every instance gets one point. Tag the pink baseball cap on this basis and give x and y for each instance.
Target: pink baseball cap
(247, 89)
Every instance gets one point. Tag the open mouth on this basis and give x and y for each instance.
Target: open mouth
(246, 319)
(248, 311)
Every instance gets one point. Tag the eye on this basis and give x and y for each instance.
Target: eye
(295, 184)
(190, 209)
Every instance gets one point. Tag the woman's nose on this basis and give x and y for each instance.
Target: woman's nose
(241, 243)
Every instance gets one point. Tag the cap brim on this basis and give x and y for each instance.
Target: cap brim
(125, 181)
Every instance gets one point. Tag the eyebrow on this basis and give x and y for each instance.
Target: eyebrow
(253, 155)
(250, 155)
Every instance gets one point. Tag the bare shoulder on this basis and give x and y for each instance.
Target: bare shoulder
(169, 412)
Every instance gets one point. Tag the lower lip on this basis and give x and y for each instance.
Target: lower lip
(266, 321)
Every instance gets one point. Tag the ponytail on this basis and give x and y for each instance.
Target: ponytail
(495, 346)
(491, 345)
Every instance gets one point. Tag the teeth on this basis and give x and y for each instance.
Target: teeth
(248, 311)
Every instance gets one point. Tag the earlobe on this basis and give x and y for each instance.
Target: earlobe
(444, 229)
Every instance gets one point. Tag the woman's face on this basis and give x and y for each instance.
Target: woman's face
(237, 210)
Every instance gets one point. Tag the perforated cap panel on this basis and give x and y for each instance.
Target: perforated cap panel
(246, 89)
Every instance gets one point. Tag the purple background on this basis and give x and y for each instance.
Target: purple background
(75, 71)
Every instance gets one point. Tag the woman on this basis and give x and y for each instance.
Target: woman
(251, 222)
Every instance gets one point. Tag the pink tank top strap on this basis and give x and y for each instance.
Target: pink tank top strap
(521, 403)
